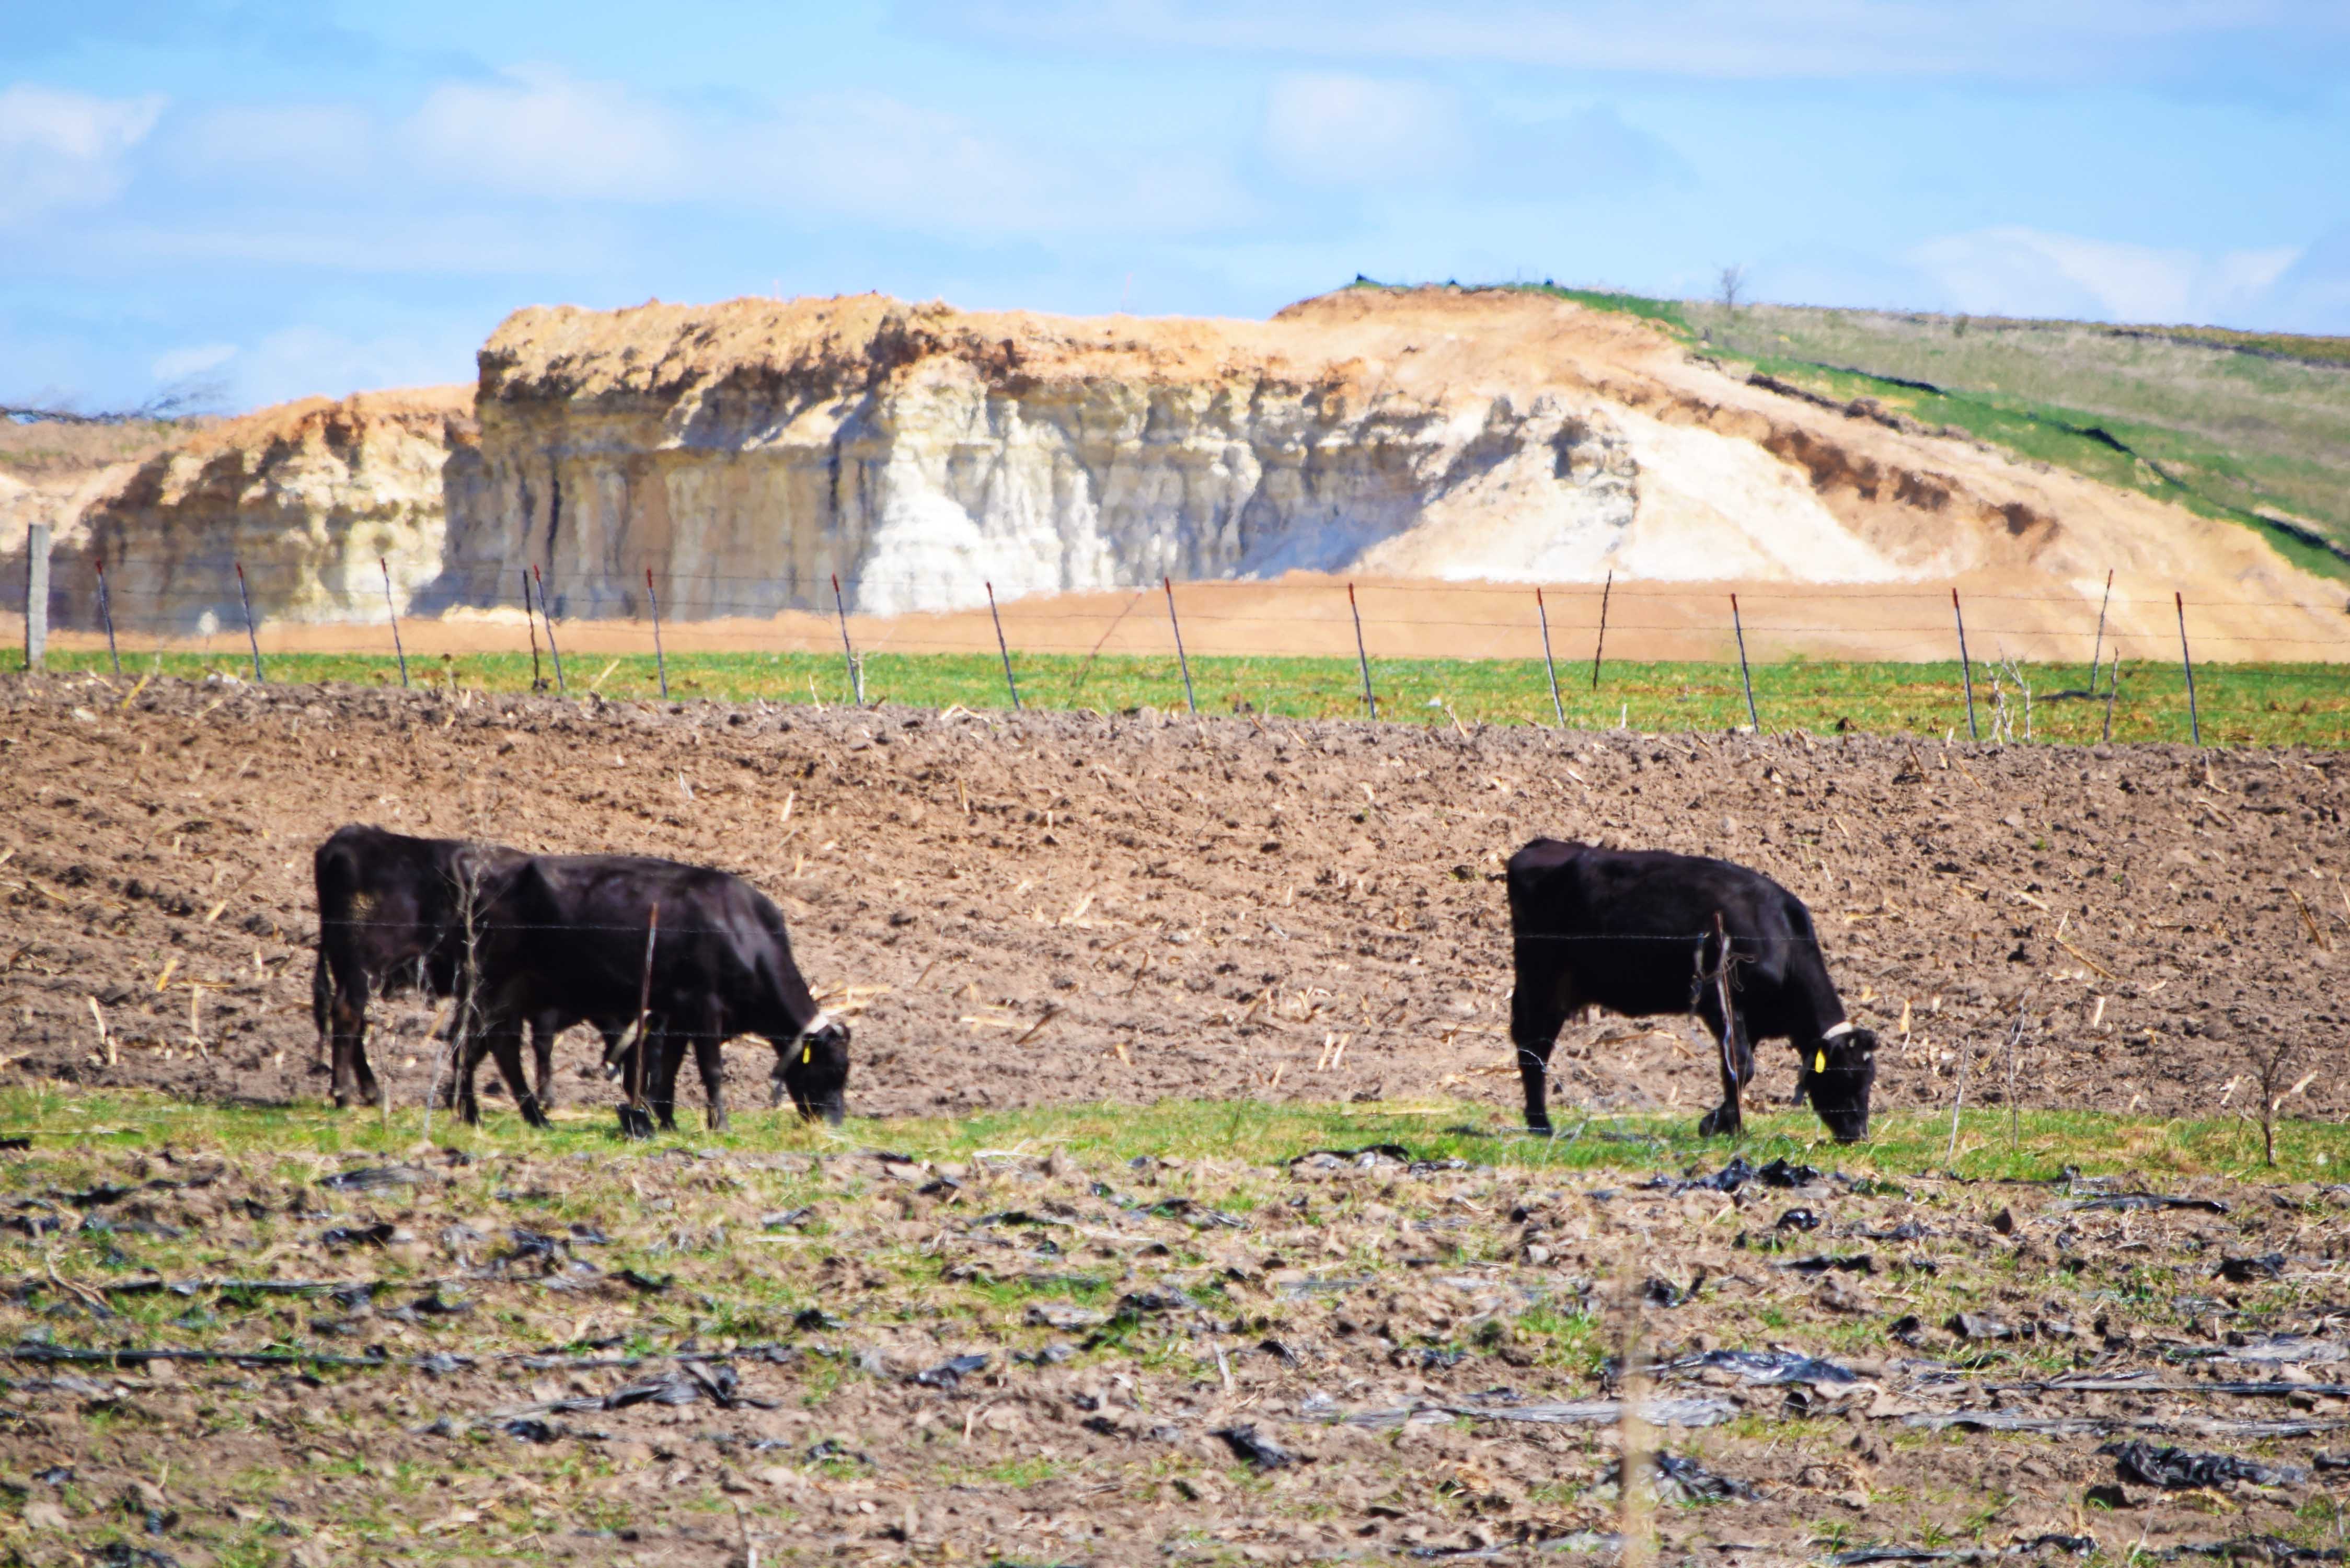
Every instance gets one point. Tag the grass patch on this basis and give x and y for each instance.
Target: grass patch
(1905, 1143)
(2241, 704)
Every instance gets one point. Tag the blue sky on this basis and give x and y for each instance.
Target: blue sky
(318, 197)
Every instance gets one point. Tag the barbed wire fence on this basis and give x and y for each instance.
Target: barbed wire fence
(207, 605)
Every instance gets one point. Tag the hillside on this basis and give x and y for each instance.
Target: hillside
(2255, 426)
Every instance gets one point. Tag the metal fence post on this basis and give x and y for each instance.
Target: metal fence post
(1003, 647)
(1966, 667)
(848, 654)
(36, 594)
(393, 610)
(661, 660)
(1744, 674)
(1189, 700)
(2097, 649)
(1556, 706)
(1605, 591)
(252, 633)
(2187, 660)
(105, 614)
(546, 613)
(1362, 655)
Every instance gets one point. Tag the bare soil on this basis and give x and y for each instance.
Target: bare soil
(1055, 908)
(704, 1357)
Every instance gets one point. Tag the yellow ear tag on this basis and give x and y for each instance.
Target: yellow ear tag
(1820, 1062)
(806, 1050)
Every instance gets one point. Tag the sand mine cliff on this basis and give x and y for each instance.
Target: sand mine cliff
(747, 453)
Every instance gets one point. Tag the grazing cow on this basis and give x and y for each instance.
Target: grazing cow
(1634, 931)
(392, 912)
(565, 941)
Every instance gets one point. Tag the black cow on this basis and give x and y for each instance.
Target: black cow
(565, 941)
(391, 911)
(1634, 931)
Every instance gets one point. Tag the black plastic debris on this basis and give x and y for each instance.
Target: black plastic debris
(1154, 1301)
(1767, 1367)
(1050, 1355)
(834, 1449)
(692, 1381)
(1368, 1153)
(2077, 1545)
(354, 1295)
(1797, 1220)
(342, 1237)
(812, 1320)
(440, 1363)
(2254, 1549)
(587, 1235)
(529, 1247)
(1981, 1326)
(1255, 1446)
(376, 1178)
(530, 1430)
(1662, 1293)
(14, 1145)
(951, 1372)
(122, 1554)
(432, 1304)
(2142, 1463)
(1728, 1178)
(784, 1220)
(1851, 1263)
(55, 1475)
(650, 1285)
(1279, 1352)
(2133, 1201)
(2250, 1271)
(2333, 1461)
(1682, 1478)
(1907, 1231)
(1429, 1358)
(1780, 1173)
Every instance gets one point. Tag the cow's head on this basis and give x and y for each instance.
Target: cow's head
(1837, 1076)
(814, 1069)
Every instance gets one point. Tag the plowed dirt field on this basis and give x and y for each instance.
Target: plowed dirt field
(1056, 908)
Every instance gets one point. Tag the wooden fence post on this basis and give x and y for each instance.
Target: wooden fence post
(36, 594)
(547, 613)
(393, 610)
(661, 660)
(2187, 660)
(1362, 655)
(1606, 590)
(105, 614)
(2097, 649)
(847, 654)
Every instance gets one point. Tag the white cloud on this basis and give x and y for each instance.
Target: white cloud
(2017, 271)
(178, 364)
(2026, 40)
(1331, 129)
(537, 131)
(60, 150)
(309, 141)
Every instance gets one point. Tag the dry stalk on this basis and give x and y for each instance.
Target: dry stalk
(2271, 1065)
(1636, 1443)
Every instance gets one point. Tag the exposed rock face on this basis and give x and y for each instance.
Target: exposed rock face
(748, 452)
(309, 496)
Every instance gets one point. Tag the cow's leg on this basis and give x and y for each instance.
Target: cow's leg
(1734, 1056)
(542, 1047)
(709, 1043)
(505, 1045)
(665, 1053)
(347, 1019)
(1540, 1005)
(322, 1006)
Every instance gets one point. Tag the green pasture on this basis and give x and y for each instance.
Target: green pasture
(2032, 1146)
(2241, 704)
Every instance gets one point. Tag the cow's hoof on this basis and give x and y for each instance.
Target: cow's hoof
(1538, 1124)
(1713, 1124)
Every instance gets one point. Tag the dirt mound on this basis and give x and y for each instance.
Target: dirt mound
(1056, 908)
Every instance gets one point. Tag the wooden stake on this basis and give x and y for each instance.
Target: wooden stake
(531, 620)
(2096, 653)
(2113, 685)
(636, 1118)
(36, 594)
(848, 654)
